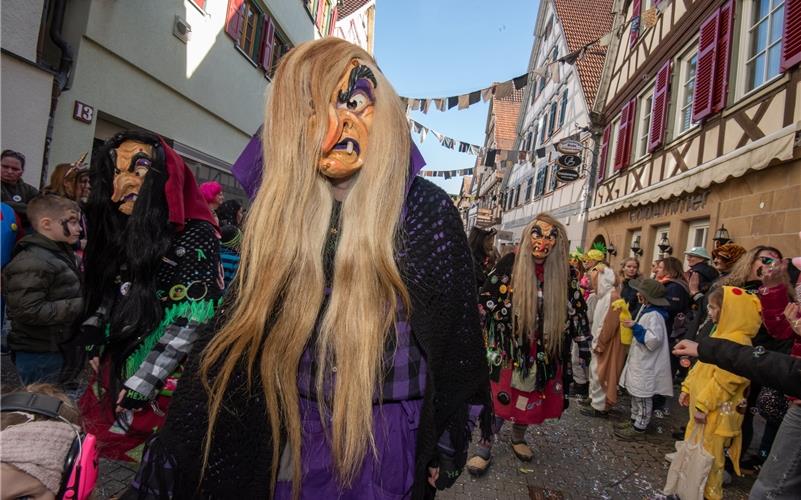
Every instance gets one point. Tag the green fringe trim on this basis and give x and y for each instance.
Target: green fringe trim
(200, 311)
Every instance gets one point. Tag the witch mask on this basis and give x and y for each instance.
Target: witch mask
(350, 119)
(543, 239)
(132, 161)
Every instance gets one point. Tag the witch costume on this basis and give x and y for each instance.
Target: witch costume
(154, 279)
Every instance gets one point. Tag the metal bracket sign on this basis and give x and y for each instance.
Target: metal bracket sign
(569, 161)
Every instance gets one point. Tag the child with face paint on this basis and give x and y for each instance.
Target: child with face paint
(43, 288)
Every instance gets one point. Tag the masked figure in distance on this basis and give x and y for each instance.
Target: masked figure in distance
(532, 315)
(322, 377)
(152, 280)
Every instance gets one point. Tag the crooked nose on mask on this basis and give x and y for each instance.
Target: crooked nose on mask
(122, 185)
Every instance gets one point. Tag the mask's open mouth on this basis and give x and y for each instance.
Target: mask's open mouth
(348, 146)
(129, 197)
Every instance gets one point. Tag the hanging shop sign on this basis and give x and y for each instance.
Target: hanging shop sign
(569, 147)
(570, 161)
(567, 174)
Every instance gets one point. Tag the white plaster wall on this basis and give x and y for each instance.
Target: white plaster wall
(569, 196)
(20, 26)
(25, 102)
(204, 93)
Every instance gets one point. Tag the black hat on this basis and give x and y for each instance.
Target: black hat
(653, 290)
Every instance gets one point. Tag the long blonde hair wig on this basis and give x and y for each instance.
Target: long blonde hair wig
(280, 283)
(524, 284)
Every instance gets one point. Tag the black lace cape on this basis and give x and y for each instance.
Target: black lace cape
(438, 273)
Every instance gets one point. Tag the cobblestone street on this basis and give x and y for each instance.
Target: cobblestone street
(575, 458)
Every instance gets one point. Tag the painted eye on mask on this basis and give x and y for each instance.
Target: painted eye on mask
(141, 166)
(357, 102)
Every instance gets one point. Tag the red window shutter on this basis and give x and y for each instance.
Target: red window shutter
(334, 16)
(234, 18)
(720, 82)
(623, 146)
(604, 152)
(268, 36)
(636, 10)
(791, 39)
(630, 136)
(705, 72)
(659, 108)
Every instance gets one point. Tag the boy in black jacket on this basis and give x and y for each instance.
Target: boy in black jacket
(43, 288)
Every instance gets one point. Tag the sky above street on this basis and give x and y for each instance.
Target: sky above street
(440, 48)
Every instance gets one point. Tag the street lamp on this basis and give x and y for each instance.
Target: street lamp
(664, 245)
(611, 250)
(721, 236)
(635, 247)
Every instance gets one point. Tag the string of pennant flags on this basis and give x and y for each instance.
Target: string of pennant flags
(549, 70)
(492, 157)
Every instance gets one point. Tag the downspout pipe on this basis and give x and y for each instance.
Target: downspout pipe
(60, 81)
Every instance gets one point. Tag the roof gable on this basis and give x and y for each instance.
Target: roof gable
(584, 21)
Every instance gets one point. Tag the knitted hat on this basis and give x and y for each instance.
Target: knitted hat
(39, 449)
(653, 290)
(728, 254)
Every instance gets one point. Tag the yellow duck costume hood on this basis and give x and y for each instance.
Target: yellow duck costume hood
(740, 316)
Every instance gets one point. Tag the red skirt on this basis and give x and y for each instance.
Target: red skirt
(527, 408)
(115, 441)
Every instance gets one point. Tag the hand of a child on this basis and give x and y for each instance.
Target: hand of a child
(700, 417)
(686, 348)
(95, 364)
(684, 399)
(793, 315)
(628, 323)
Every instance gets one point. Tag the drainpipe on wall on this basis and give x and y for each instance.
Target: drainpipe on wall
(60, 81)
(593, 175)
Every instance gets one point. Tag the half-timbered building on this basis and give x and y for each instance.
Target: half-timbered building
(556, 107)
(700, 125)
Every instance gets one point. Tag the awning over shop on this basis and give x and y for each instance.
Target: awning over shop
(754, 156)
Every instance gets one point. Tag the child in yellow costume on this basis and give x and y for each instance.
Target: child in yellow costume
(716, 398)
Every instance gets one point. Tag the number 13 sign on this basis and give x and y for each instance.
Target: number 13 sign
(83, 112)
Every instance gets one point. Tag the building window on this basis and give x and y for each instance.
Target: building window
(661, 232)
(251, 30)
(552, 179)
(554, 53)
(540, 187)
(542, 83)
(543, 129)
(697, 234)
(764, 38)
(687, 67)
(644, 123)
(256, 34)
(517, 195)
(563, 109)
(552, 119)
(529, 186)
(548, 26)
(610, 154)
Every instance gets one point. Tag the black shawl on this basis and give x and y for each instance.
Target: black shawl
(438, 271)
